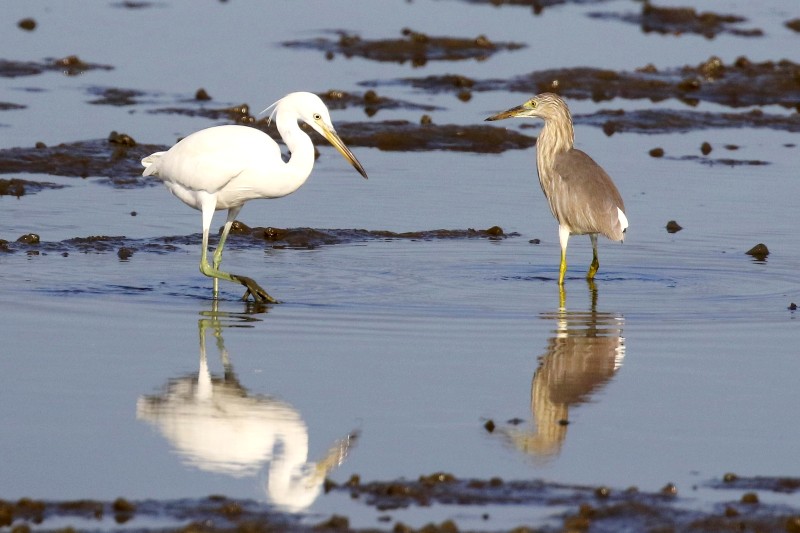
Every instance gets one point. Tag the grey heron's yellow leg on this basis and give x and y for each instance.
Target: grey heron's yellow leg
(253, 288)
(562, 299)
(595, 261)
(563, 237)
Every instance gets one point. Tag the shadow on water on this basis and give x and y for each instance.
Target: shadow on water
(216, 425)
(582, 356)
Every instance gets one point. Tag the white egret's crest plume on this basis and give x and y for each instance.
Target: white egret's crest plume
(581, 195)
(225, 166)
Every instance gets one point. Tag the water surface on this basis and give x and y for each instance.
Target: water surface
(677, 366)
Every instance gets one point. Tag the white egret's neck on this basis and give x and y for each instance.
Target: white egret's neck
(301, 160)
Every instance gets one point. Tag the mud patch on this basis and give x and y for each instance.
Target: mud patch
(672, 121)
(537, 6)
(414, 47)
(739, 84)
(312, 238)
(589, 508)
(8, 106)
(117, 159)
(244, 237)
(404, 136)
(682, 20)
(117, 163)
(369, 101)
(19, 187)
(784, 485)
(115, 97)
(724, 161)
(69, 65)
(574, 507)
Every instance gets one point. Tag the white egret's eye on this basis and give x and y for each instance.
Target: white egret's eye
(317, 116)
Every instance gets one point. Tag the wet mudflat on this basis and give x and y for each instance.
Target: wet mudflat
(422, 368)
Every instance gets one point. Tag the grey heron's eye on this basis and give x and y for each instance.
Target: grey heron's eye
(317, 116)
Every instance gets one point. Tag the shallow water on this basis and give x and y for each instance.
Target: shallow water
(678, 366)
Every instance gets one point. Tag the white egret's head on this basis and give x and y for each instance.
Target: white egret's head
(310, 108)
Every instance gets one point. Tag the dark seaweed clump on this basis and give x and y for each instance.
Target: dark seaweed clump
(69, 65)
(681, 20)
(414, 47)
(19, 187)
(742, 83)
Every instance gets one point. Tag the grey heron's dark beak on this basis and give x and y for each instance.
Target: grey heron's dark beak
(519, 111)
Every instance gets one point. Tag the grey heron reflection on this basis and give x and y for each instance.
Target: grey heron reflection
(216, 425)
(583, 354)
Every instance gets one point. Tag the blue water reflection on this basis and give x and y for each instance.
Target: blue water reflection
(583, 355)
(216, 425)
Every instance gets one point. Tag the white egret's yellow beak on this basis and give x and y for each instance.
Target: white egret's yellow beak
(337, 143)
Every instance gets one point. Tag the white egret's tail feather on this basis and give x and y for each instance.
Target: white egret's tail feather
(149, 168)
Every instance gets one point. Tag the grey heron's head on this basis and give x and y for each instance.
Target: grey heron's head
(547, 106)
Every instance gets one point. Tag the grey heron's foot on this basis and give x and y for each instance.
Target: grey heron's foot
(593, 268)
(254, 289)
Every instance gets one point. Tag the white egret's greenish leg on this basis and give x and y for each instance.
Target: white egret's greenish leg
(563, 237)
(595, 261)
(233, 212)
(253, 288)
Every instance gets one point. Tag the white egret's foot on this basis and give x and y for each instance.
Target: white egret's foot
(254, 289)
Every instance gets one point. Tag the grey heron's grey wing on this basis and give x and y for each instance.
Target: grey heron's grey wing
(588, 199)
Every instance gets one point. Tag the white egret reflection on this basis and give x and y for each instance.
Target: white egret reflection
(216, 425)
(582, 356)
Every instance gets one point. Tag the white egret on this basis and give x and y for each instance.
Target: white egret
(223, 167)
